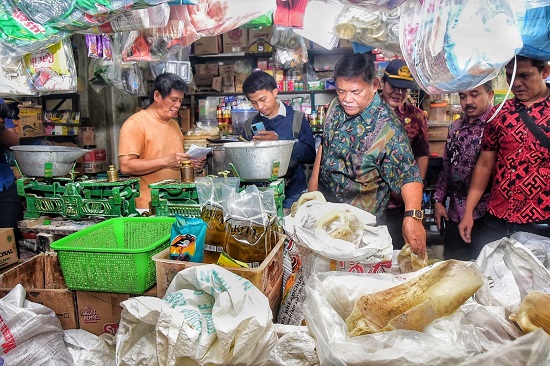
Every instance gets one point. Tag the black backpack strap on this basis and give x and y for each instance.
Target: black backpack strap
(297, 123)
(534, 128)
(248, 127)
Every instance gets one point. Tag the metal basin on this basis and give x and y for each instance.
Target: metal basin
(254, 160)
(34, 160)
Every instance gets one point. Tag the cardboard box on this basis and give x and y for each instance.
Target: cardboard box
(258, 39)
(207, 45)
(95, 155)
(40, 278)
(239, 80)
(99, 312)
(236, 40)
(95, 167)
(185, 119)
(30, 122)
(268, 277)
(8, 248)
(227, 70)
(228, 84)
(345, 43)
(211, 69)
(203, 79)
(217, 83)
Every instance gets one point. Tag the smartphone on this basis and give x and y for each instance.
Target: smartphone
(257, 127)
(442, 226)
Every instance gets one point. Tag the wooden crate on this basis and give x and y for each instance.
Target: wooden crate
(268, 277)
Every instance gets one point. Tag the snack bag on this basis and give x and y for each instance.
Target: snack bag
(187, 239)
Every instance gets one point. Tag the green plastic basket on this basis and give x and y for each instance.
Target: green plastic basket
(114, 255)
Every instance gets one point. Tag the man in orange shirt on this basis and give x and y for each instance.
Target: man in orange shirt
(150, 144)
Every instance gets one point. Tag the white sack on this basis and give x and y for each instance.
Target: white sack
(375, 244)
(209, 316)
(446, 341)
(88, 349)
(30, 333)
(512, 271)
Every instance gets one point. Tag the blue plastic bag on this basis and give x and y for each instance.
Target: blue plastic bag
(187, 239)
(534, 27)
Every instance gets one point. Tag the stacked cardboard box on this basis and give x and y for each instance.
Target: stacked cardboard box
(95, 161)
(30, 122)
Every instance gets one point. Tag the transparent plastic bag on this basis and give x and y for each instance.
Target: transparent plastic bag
(375, 28)
(388, 4)
(290, 48)
(533, 25)
(14, 80)
(455, 45)
(52, 70)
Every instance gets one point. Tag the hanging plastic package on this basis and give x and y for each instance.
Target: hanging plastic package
(187, 239)
(534, 25)
(20, 35)
(262, 21)
(375, 28)
(153, 17)
(52, 70)
(214, 17)
(372, 4)
(290, 48)
(455, 45)
(14, 80)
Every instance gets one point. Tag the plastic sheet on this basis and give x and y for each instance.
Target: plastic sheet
(455, 45)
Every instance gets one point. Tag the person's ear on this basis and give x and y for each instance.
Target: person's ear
(546, 71)
(491, 94)
(376, 83)
(157, 96)
(275, 92)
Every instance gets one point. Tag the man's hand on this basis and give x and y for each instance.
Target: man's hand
(174, 160)
(415, 235)
(439, 212)
(465, 228)
(198, 164)
(266, 136)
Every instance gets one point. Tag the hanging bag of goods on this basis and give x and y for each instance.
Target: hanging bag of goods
(454, 45)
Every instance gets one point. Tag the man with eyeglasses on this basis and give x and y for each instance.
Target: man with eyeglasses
(365, 153)
(397, 81)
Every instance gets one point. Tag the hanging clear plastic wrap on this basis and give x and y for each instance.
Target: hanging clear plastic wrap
(533, 25)
(52, 70)
(456, 45)
(375, 28)
(290, 48)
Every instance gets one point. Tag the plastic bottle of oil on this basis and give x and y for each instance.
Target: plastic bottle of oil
(215, 232)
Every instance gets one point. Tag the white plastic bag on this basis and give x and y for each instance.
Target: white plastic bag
(446, 341)
(30, 333)
(456, 45)
(513, 272)
(209, 316)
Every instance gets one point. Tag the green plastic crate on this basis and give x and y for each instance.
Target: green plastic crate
(114, 255)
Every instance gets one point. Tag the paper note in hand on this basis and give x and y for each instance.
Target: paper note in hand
(197, 152)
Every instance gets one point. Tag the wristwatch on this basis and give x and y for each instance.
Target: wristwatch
(415, 214)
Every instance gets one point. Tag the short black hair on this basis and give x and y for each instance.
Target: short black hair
(488, 85)
(165, 83)
(259, 80)
(539, 64)
(354, 65)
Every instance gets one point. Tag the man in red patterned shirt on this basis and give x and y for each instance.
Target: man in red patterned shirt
(516, 159)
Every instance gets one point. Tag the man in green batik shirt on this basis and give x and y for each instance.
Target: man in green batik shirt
(365, 152)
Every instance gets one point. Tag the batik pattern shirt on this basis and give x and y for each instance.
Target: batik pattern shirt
(459, 159)
(365, 157)
(416, 124)
(521, 177)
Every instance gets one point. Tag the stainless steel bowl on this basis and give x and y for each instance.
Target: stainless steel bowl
(254, 160)
(32, 159)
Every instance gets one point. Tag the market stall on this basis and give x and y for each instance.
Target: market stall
(215, 271)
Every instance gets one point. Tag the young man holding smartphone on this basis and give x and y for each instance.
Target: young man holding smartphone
(277, 121)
